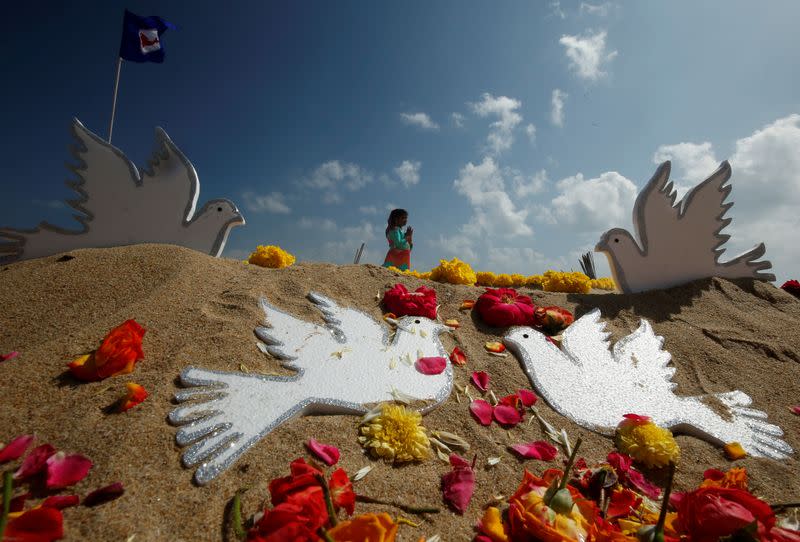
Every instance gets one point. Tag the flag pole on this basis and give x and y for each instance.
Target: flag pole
(114, 103)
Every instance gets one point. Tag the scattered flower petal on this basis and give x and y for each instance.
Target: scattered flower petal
(362, 473)
(18, 503)
(637, 419)
(60, 502)
(536, 450)
(35, 461)
(65, 470)
(458, 485)
(527, 397)
(492, 461)
(494, 346)
(14, 449)
(734, 451)
(390, 316)
(104, 494)
(458, 357)
(482, 411)
(327, 453)
(117, 355)
(506, 415)
(452, 322)
(481, 380)
(9, 356)
(38, 524)
(795, 409)
(135, 395)
(791, 286)
(431, 366)
(466, 305)
(622, 502)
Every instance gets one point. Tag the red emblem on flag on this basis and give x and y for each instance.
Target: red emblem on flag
(148, 40)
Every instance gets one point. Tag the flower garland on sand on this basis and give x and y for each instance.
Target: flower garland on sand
(271, 256)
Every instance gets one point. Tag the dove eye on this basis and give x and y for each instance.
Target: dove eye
(416, 321)
(616, 239)
(219, 209)
(525, 336)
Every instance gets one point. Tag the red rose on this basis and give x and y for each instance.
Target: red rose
(552, 319)
(420, 302)
(118, 354)
(504, 307)
(709, 513)
(793, 287)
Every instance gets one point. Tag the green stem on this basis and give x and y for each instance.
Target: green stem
(568, 468)
(324, 534)
(238, 527)
(403, 507)
(658, 533)
(326, 492)
(7, 485)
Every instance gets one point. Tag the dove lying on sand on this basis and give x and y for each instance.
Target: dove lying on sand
(678, 243)
(123, 207)
(595, 387)
(341, 367)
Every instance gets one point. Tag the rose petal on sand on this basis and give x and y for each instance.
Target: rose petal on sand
(104, 494)
(481, 380)
(495, 347)
(452, 322)
(458, 357)
(482, 411)
(327, 453)
(795, 409)
(637, 419)
(431, 366)
(9, 356)
(466, 305)
(35, 462)
(18, 503)
(536, 450)
(506, 415)
(458, 485)
(134, 395)
(14, 449)
(36, 524)
(65, 470)
(60, 502)
(527, 397)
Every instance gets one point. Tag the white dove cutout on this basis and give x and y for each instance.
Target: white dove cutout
(120, 206)
(678, 243)
(342, 367)
(595, 386)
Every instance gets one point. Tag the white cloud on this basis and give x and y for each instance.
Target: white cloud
(766, 190)
(484, 187)
(408, 172)
(692, 163)
(556, 11)
(275, 202)
(332, 175)
(458, 119)
(592, 205)
(369, 209)
(600, 10)
(459, 245)
(530, 129)
(587, 54)
(501, 136)
(524, 187)
(524, 260)
(421, 120)
(363, 232)
(557, 107)
(323, 224)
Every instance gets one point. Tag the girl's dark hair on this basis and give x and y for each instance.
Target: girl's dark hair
(394, 218)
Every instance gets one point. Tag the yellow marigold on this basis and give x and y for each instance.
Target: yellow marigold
(271, 256)
(605, 283)
(646, 442)
(518, 280)
(394, 434)
(455, 272)
(735, 477)
(560, 281)
(426, 275)
(503, 280)
(484, 278)
(534, 281)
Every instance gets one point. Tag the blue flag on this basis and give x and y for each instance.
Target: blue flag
(141, 38)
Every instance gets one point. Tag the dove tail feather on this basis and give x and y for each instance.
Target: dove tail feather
(746, 265)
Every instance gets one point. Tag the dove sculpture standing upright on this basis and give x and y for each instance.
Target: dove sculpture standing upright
(341, 368)
(595, 386)
(120, 206)
(678, 243)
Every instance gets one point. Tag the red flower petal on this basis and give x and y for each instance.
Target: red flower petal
(796, 409)
(18, 502)
(65, 470)
(494, 346)
(506, 415)
(431, 366)
(36, 525)
(10, 355)
(135, 394)
(35, 461)
(641, 483)
(504, 307)
(635, 419)
(327, 453)
(458, 485)
(536, 450)
(14, 449)
(622, 502)
(458, 357)
(482, 411)
(713, 474)
(421, 302)
(481, 380)
(527, 397)
(104, 494)
(61, 501)
(342, 493)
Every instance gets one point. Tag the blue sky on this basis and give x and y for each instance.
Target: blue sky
(514, 132)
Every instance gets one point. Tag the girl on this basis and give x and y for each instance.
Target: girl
(400, 244)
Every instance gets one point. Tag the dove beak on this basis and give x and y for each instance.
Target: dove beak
(396, 324)
(601, 246)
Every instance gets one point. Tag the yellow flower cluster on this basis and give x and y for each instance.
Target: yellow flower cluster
(503, 280)
(647, 443)
(271, 256)
(605, 283)
(395, 435)
(572, 282)
(535, 281)
(411, 272)
(455, 272)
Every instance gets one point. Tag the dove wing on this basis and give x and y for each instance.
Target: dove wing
(655, 213)
(351, 325)
(286, 336)
(702, 210)
(586, 342)
(644, 360)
